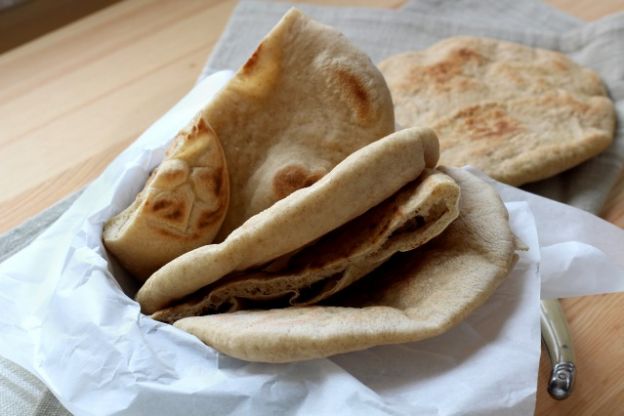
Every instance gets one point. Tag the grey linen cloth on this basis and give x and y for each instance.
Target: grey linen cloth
(380, 33)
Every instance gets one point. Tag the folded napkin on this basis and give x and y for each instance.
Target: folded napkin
(418, 24)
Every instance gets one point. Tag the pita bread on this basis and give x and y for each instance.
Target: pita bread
(520, 114)
(361, 181)
(420, 211)
(180, 208)
(415, 295)
(303, 101)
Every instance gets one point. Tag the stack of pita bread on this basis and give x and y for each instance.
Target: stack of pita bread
(330, 232)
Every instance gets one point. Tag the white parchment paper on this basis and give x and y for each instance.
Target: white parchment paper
(66, 318)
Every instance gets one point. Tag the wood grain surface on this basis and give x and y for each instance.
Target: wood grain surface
(75, 98)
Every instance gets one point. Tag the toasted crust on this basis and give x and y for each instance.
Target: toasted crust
(180, 208)
(528, 139)
(520, 114)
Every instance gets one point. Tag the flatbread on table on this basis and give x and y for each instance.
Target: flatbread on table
(518, 113)
(418, 212)
(303, 101)
(181, 206)
(415, 295)
(361, 181)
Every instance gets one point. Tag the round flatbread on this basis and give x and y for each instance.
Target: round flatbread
(518, 113)
(416, 295)
(303, 101)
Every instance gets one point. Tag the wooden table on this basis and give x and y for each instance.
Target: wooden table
(73, 99)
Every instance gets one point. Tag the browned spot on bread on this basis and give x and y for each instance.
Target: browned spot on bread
(207, 217)
(446, 69)
(252, 62)
(487, 121)
(313, 177)
(176, 214)
(208, 182)
(161, 204)
(292, 177)
(205, 175)
(218, 180)
(356, 94)
(443, 71)
(167, 209)
(466, 54)
(466, 84)
(214, 177)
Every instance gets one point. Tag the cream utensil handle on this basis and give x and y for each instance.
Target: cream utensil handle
(559, 344)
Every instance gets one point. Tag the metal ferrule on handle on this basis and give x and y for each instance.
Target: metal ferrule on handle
(559, 344)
